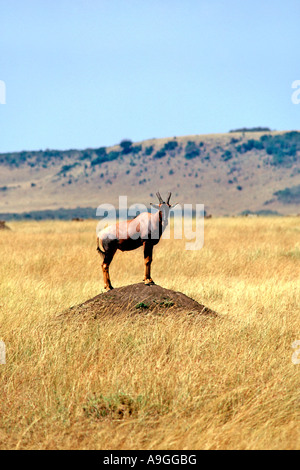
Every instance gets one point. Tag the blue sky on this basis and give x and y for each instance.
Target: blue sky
(88, 73)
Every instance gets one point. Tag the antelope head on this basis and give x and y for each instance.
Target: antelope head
(164, 207)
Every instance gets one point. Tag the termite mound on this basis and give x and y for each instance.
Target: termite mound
(139, 299)
(3, 225)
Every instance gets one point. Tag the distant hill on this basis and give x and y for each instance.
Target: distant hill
(230, 173)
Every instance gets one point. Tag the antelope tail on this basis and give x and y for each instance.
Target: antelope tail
(99, 249)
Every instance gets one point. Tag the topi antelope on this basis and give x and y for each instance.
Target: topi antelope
(145, 229)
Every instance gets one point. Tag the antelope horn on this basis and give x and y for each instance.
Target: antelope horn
(159, 197)
(169, 197)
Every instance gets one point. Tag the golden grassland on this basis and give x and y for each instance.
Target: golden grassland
(151, 382)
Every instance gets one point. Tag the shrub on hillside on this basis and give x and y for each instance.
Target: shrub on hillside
(100, 151)
(191, 150)
(113, 155)
(85, 156)
(171, 145)
(289, 195)
(250, 145)
(136, 149)
(149, 150)
(126, 146)
(168, 147)
(227, 155)
(66, 168)
(283, 148)
(159, 154)
(252, 129)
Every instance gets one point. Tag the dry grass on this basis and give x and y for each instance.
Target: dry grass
(151, 383)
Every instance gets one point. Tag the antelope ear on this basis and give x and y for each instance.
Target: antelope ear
(174, 205)
(156, 206)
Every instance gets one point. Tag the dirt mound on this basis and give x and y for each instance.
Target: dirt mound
(3, 225)
(139, 299)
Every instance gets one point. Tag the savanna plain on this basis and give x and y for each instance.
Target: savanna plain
(146, 381)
